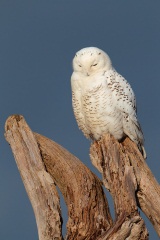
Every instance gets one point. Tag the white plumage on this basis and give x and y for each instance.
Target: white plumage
(103, 101)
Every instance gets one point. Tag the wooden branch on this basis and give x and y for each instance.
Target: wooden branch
(38, 183)
(88, 210)
(148, 189)
(43, 163)
(87, 206)
(131, 183)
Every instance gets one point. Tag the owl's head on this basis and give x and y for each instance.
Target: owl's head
(90, 60)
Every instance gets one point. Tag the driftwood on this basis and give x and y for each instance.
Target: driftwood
(43, 164)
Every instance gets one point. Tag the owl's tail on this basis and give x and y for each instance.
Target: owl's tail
(133, 130)
(142, 150)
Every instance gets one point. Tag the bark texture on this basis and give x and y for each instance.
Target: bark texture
(88, 212)
(130, 182)
(87, 205)
(43, 164)
(119, 179)
(39, 185)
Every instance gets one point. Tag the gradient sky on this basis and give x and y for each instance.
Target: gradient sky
(38, 40)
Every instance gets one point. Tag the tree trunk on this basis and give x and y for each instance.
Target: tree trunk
(43, 164)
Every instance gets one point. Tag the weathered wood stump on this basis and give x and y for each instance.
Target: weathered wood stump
(43, 164)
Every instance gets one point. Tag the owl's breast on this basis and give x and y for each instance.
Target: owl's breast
(101, 115)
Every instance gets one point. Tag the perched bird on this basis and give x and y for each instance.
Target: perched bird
(103, 101)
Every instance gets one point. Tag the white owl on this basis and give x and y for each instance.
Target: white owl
(103, 101)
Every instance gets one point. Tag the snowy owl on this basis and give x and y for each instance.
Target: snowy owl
(103, 101)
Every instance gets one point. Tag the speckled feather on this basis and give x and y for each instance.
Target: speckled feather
(103, 101)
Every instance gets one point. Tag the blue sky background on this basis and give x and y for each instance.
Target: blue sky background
(38, 40)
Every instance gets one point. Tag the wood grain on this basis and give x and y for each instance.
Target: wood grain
(44, 164)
